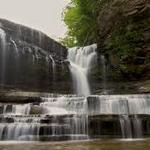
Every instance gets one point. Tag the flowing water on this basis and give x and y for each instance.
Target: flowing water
(53, 67)
(15, 46)
(81, 60)
(70, 117)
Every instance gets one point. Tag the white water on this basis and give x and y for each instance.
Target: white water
(126, 129)
(19, 131)
(15, 46)
(53, 67)
(16, 109)
(64, 105)
(119, 104)
(81, 61)
(68, 115)
(137, 127)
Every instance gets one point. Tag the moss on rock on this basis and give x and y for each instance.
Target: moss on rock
(125, 35)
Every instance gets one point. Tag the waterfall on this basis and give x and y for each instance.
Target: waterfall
(16, 109)
(3, 54)
(70, 117)
(53, 67)
(119, 104)
(15, 46)
(137, 127)
(19, 131)
(126, 129)
(126, 126)
(127, 107)
(81, 60)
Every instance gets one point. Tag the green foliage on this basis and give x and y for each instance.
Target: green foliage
(124, 41)
(80, 16)
(68, 41)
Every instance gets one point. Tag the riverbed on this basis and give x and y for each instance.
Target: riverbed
(129, 144)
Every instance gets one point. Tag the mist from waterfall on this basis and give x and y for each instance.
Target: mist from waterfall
(81, 60)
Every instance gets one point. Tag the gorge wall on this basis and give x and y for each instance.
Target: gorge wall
(124, 40)
(30, 60)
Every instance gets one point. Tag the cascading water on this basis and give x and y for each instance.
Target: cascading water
(124, 106)
(137, 127)
(16, 109)
(81, 60)
(53, 67)
(126, 129)
(15, 46)
(68, 117)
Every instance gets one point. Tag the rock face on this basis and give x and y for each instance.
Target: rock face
(31, 60)
(124, 38)
(124, 42)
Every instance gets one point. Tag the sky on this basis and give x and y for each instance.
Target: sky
(44, 15)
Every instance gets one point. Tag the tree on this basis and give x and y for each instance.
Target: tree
(80, 16)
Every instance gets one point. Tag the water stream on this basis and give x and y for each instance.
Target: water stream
(81, 60)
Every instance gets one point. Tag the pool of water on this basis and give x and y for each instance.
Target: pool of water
(140, 144)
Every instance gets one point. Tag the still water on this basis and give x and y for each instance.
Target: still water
(79, 145)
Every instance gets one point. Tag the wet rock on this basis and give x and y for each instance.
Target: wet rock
(36, 110)
(128, 21)
(30, 57)
(143, 90)
(6, 119)
(19, 99)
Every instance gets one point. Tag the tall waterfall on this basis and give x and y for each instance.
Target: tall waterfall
(81, 60)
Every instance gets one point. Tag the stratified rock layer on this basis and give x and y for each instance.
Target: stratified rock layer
(31, 60)
(125, 38)
(124, 41)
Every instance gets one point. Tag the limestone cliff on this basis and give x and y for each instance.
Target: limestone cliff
(31, 60)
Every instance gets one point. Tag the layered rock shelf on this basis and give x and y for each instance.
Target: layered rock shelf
(31, 61)
(67, 117)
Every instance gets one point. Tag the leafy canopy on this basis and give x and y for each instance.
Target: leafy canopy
(80, 16)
